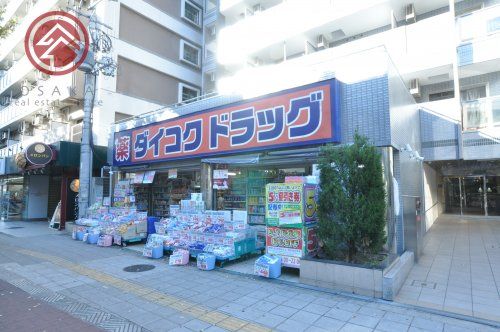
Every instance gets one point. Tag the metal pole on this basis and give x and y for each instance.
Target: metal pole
(86, 151)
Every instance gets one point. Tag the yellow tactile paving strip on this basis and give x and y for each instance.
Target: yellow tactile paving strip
(200, 312)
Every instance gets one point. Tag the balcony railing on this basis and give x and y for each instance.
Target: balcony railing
(39, 96)
(481, 113)
(15, 73)
(16, 37)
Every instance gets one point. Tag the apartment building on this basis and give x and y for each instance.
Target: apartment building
(157, 47)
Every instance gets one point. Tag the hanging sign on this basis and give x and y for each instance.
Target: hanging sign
(149, 176)
(138, 178)
(296, 117)
(39, 154)
(221, 174)
(172, 173)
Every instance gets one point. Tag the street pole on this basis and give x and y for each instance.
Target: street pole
(85, 149)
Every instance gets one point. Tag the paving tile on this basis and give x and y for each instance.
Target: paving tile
(391, 326)
(316, 308)
(160, 325)
(264, 305)
(306, 317)
(398, 318)
(270, 320)
(283, 311)
(339, 314)
(427, 324)
(291, 325)
(329, 324)
(196, 325)
(371, 312)
(364, 320)
(354, 328)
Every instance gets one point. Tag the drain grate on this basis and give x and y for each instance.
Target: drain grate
(14, 227)
(139, 268)
(425, 284)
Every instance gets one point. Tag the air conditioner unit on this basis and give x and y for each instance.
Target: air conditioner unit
(4, 135)
(257, 8)
(415, 87)
(410, 15)
(23, 127)
(321, 42)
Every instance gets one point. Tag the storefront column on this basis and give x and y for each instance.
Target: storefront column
(388, 166)
(64, 201)
(206, 184)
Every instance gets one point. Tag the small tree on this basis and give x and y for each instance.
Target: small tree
(352, 200)
(6, 27)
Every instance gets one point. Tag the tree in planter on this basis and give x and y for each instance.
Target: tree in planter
(6, 27)
(352, 202)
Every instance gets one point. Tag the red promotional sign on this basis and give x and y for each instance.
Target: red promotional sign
(284, 241)
(295, 117)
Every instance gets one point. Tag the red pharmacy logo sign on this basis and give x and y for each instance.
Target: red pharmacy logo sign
(56, 43)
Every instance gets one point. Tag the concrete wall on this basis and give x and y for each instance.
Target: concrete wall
(155, 86)
(405, 129)
(433, 204)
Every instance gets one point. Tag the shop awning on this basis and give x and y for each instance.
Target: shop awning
(244, 159)
(68, 155)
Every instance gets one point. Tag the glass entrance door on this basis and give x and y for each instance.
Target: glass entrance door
(473, 201)
(493, 195)
(466, 195)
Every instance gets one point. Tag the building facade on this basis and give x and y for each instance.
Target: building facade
(418, 79)
(39, 108)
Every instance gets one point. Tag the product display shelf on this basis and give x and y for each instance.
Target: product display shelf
(236, 199)
(160, 198)
(256, 196)
(141, 194)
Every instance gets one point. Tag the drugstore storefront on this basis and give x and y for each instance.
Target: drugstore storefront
(229, 153)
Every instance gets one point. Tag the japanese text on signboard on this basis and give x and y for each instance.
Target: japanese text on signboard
(295, 117)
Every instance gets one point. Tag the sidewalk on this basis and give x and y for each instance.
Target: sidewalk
(89, 282)
(21, 312)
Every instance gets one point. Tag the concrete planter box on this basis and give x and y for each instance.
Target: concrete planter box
(376, 282)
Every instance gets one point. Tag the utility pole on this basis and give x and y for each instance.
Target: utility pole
(100, 46)
(85, 148)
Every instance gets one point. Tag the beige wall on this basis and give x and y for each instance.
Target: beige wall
(170, 7)
(136, 80)
(141, 31)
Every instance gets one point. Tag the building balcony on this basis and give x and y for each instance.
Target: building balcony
(479, 24)
(41, 95)
(14, 9)
(449, 108)
(14, 42)
(478, 51)
(481, 114)
(16, 73)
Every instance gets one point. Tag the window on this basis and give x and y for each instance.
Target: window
(441, 95)
(191, 12)
(187, 92)
(190, 53)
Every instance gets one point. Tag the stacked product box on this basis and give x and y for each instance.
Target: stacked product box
(291, 220)
(222, 233)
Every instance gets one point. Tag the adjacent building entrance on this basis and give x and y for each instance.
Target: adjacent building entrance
(473, 195)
